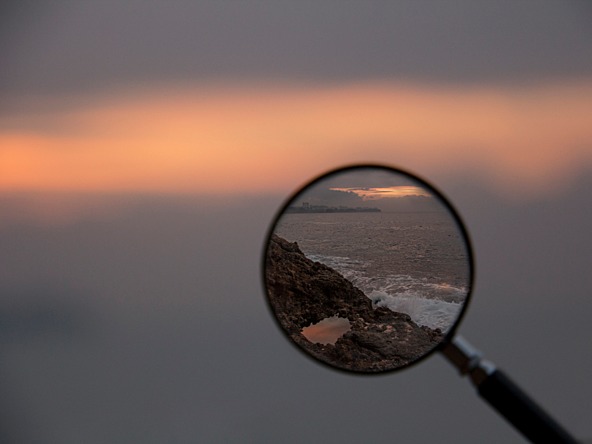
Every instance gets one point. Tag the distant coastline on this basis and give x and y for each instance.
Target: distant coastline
(307, 208)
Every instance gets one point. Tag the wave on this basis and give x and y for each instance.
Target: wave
(432, 313)
(432, 304)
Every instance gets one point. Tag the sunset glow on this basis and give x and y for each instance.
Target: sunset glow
(387, 192)
(255, 139)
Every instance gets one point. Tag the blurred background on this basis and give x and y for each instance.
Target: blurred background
(146, 146)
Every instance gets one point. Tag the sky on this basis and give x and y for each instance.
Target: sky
(146, 146)
(375, 193)
(93, 93)
(369, 186)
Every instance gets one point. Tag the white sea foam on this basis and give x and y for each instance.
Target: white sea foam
(432, 313)
(433, 304)
(449, 293)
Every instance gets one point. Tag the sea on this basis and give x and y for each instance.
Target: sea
(415, 263)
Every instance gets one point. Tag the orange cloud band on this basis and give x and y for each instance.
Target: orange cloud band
(253, 139)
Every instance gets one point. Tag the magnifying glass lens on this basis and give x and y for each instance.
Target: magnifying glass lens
(367, 269)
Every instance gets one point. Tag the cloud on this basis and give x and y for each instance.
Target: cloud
(219, 97)
(249, 139)
(325, 196)
(73, 48)
(387, 192)
(416, 200)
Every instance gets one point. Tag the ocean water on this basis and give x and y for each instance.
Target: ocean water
(415, 263)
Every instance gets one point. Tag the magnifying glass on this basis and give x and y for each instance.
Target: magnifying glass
(369, 269)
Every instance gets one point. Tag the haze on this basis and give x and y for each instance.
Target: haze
(145, 147)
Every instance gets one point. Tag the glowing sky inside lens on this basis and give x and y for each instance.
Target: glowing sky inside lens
(385, 192)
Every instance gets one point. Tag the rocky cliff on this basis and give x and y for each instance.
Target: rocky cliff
(302, 292)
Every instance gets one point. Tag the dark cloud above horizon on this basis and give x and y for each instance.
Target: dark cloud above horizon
(326, 191)
(324, 196)
(75, 47)
(336, 198)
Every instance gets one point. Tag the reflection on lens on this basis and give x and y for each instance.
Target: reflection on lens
(367, 269)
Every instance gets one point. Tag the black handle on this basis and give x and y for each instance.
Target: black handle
(521, 411)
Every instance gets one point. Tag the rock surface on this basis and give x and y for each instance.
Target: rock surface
(302, 292)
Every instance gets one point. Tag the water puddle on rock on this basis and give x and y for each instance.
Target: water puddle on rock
(327, 331)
